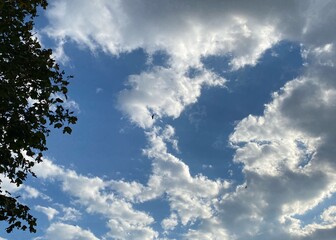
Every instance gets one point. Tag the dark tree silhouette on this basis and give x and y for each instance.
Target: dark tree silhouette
(32, 94)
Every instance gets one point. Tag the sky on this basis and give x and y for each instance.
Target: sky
(197, 120)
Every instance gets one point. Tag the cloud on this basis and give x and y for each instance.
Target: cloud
(211, 229)
(164, 92)
(288, 158)
(49, 211)
(122, 26)
(70, 214)
(169, 223)
(94, 194)
(99, 90)
(64, 231)
(31, 192)
(199, 28)
(190, 197)
(48, 170)
(329, 215)
(7, 185)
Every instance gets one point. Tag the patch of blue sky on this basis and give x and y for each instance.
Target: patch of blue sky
(159, 58)
(314, 215)
(16, 234)
(103, 141)
(306, 154)
(203, 129)
(157, 208)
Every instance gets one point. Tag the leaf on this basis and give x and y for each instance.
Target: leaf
(58, 125)
(67, 130)
(59, 100)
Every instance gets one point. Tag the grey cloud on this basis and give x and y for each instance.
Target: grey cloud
(325, 234)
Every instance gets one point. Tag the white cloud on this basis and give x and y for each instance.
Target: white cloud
(162, 92)
(329, 215)
(31, 192)
(59, 54)
(199, 28)
(128, 190)
(170, 223)
(191, 198)
(211, 229)
(49, 211)
(70, 214)
(7, 185)
(47, 169)
(64, 231)
(288, 159)
(94, 194)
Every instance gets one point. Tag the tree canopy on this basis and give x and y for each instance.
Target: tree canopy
(33, 90)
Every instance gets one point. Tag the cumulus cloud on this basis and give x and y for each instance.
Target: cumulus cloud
(170, 223)
(64, 231)
(120, 26)
(191, 197)
(163, 92)
(94, 194)
(288, 149)
(31, 192)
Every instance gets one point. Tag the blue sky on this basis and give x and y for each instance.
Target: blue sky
(241, 145)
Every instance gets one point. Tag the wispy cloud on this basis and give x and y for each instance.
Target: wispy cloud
(49, 211)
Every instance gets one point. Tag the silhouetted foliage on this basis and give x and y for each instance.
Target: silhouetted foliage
(32, 94)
